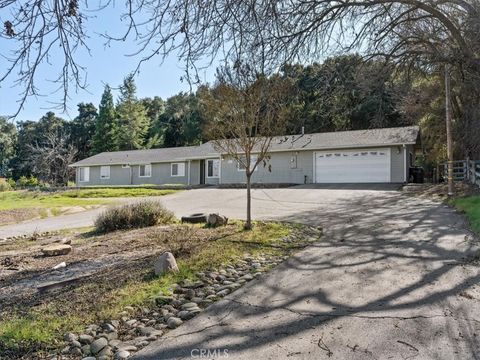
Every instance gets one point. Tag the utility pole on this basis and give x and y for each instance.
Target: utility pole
(448, 113)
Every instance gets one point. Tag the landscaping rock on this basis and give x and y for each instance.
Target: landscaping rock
(165, 263)
(98, 345)
(223, 292)
(85, 339)
(122, 354)
(149, 331)
(126, 347)
(76, 344)
(86, 349)
(69, 337)
(174, 322)
(89, 358)
(106, 352)
(56, 250)
(76, 352)
(215, 220)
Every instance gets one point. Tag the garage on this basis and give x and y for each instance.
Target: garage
(352, 166)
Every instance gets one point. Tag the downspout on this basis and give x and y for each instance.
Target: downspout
(405, 170)
(131, 174)
(189, 173)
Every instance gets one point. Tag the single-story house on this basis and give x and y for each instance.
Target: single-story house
(360, 156)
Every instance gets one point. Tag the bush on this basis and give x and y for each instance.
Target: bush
(25, 182)
(4, 185)
(12, 183)
(131, 216)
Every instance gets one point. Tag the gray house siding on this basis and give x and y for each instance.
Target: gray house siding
(161, 174)
(397, 159)
(281, 173)
(303, 173)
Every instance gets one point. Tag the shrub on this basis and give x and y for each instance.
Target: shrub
(12, 183)
(4, 185)
(136, 215)
(24, 182)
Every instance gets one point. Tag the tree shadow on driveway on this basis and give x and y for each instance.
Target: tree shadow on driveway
(393, 277)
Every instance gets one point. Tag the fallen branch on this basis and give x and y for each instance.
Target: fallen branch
(407, 344)
(321, 344)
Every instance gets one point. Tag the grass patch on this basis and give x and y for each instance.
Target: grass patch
(195, 248)
(471, 207)
(35, 199)
(44, 204)
(112, 193)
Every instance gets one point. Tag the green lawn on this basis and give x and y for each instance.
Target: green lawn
(471, 207)
(38, 199)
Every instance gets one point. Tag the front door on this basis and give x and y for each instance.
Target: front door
(202, 172)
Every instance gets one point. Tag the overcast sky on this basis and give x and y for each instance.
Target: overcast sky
(104, 65)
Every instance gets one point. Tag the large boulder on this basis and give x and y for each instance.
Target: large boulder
(215, 220)
(56, 249)
(165, 263)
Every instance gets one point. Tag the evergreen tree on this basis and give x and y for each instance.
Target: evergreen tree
(82, 129)
(132, 118)
(104, 138)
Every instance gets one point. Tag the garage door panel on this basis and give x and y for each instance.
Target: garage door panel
(353, 166)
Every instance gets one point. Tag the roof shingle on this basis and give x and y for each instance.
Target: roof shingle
(317, 141)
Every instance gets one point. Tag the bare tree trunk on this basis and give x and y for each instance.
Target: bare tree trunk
(448, 110)
(248, 223)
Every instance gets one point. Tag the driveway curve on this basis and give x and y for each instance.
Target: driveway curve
(394, 277)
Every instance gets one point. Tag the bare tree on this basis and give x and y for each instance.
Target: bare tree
(51, 159)
(245, 111)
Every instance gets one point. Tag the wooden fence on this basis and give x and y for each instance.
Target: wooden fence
(464, 170)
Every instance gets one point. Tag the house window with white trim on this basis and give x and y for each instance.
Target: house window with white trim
(145, 170)
(84, 174)
(240, 164)
(177, 169)
(104, 172)
(213, 168)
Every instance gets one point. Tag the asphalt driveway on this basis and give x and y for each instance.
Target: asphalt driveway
(391, 279)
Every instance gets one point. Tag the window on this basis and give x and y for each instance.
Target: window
(84, 174)
(145, 170)
(104, 172)
(213, 168)
(177, 169)
(293, 162)
(253, 160)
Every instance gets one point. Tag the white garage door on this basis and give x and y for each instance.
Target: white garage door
(353, 166)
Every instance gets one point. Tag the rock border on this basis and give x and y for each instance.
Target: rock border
(137, 327)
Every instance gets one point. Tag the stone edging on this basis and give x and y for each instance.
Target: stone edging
(136, 328)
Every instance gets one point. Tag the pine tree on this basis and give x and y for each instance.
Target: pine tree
(105, 135)
(132, 118)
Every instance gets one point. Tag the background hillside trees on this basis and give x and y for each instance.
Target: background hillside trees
(132, 120)
(8, 138)
(104, 138)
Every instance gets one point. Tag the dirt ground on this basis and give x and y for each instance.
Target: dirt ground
(18, 215)
(439, 192)
(113, 257)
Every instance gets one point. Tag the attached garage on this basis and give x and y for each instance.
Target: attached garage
(353, 166)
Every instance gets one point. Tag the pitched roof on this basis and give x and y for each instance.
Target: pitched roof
(347, 139)
(317, 141)
(149, 156)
